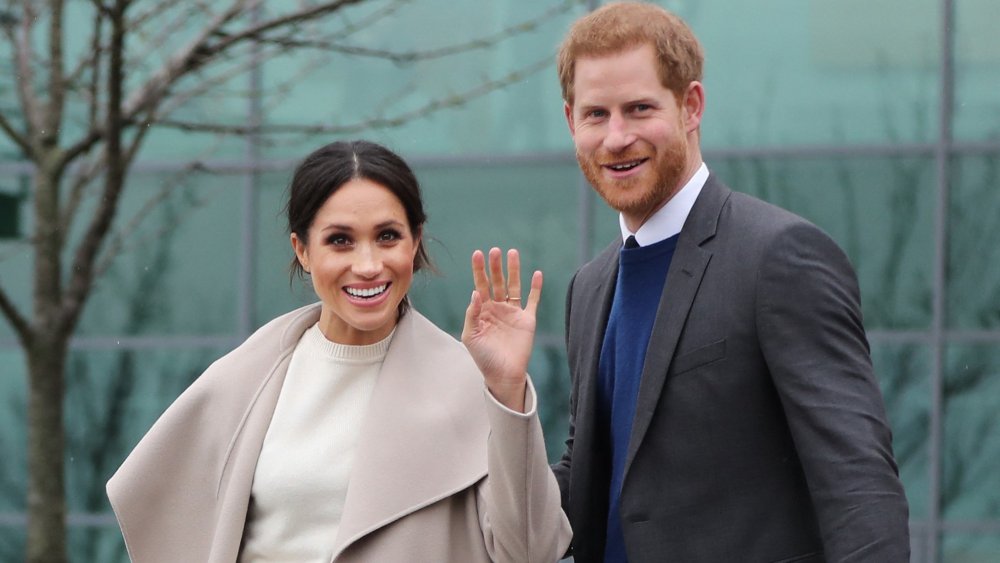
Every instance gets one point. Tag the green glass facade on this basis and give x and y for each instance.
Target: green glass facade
(879, 121)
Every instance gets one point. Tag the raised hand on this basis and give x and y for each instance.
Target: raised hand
(498, 332)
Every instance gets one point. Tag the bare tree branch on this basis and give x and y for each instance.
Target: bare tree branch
(368, 21)
(90, 60)
(52, 116)
(23, 54)
(117, 242)
(19, 139)
(17, 320)
(429, 54)
(95, 71)
(81, 277)
(156, 86)
(377, 122)
(85, 174)
(163, 30)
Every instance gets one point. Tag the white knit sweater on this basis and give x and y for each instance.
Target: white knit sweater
(301, 479)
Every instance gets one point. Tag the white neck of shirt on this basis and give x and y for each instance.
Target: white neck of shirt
(304, 468)
(668, 220)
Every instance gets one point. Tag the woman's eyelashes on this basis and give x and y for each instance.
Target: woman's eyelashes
(338, 239)
(343, 240)
(389, 235)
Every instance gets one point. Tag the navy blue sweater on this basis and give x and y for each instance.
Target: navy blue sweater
(642, 272)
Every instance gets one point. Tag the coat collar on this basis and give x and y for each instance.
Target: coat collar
(424, 436)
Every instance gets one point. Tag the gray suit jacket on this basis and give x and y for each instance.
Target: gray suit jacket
(760, 432)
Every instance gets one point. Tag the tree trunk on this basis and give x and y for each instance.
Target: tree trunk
(46, 438)
(46, 348)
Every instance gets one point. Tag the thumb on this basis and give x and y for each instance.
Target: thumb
(471, 316)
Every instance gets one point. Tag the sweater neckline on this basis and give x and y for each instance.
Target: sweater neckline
(316, 341)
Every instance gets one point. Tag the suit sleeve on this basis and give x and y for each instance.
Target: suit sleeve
(811, 334)
(519, 502)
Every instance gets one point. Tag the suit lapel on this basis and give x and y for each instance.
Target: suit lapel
(423, 438)
(683, 280)
(592, 310)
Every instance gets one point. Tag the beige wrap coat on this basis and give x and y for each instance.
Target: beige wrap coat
(443, 473)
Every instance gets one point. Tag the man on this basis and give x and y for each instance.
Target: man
(724, 406)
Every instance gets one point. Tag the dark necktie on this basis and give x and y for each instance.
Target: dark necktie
(630, 242)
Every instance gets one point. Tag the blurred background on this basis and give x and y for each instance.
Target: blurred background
(879, 121)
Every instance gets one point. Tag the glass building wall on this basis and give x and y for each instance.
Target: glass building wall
(878, 121)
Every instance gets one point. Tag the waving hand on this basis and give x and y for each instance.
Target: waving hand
(498, 332)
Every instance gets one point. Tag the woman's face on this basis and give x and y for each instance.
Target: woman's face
(360, 257)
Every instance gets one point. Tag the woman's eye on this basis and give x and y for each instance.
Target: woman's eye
(389, 235)
(338, 240)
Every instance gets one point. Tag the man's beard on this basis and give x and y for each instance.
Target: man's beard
(638, 196)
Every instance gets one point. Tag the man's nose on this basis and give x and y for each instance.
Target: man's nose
(619, 134)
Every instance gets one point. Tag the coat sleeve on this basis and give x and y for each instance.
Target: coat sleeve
(519, 502)
(811, 333)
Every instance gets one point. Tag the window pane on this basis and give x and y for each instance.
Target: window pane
(970, 548)
(977, 71)
(352, 91)
(91, 544)
(15, 278)
(550, 374)
(12, 540)
(529, 207)
(819, 72)
(13, 418)
(112, 399)
(879, 210)
(273, 294)
(903, 373)
(970, 487)
(973, 251)
(178, 269)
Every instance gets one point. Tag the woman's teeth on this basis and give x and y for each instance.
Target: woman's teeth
(366, 293)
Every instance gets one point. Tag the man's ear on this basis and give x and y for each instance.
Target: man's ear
(568, 110)
(301, 252)
(693, 106)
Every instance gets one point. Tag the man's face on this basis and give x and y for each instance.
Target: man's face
(631, 136)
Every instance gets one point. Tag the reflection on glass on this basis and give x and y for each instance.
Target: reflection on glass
(970, 548)
(12, 539)
(970, 487)
(973, 275)
(92, 544)
(13, 416)
(903, 373)
(177, 271)
(879, 210)
(977, 71)
(532, 208)
(821, 72)
(112, 398)
(550, 374)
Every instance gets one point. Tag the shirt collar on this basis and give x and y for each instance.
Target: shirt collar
(668, 220)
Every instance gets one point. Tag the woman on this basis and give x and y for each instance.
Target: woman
(354, 429)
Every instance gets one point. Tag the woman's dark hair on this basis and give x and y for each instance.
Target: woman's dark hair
(328, 168)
